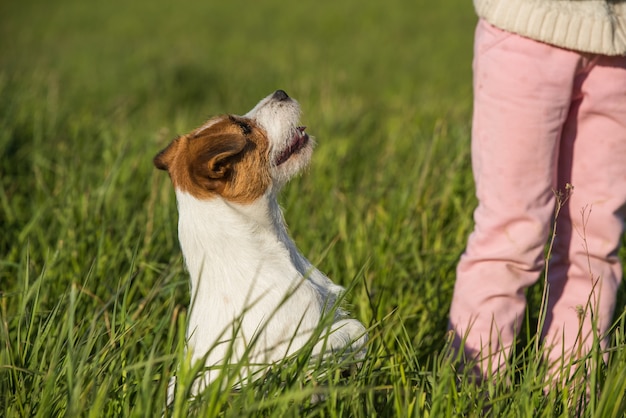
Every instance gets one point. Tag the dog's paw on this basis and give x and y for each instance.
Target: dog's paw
(346, 336)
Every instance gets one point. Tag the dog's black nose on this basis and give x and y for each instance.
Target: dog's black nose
(280, 95)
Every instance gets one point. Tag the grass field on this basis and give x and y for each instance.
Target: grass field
(93, 292)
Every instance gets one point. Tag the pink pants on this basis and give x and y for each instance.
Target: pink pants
(544, 117)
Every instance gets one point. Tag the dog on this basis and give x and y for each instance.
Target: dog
(254, 296)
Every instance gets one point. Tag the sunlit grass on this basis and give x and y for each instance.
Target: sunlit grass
(93, 293)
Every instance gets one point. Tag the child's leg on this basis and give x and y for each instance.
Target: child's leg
(522, 93)
(585, 268)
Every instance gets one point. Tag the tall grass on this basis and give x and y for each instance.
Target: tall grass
(93, 294)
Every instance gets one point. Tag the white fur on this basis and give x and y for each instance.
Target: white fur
(280, 119)
(242, 260)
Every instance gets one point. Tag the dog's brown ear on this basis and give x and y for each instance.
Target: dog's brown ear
(164, 158)
(215, 160)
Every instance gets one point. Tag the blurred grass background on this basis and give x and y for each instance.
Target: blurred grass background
(92, 286)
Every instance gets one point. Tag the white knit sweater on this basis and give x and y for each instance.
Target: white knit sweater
(596, 26)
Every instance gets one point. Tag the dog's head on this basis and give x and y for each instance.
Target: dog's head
(240, 157)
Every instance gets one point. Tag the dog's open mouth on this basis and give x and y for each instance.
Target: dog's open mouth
(298, 141)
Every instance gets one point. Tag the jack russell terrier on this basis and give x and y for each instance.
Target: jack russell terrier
(254, 296)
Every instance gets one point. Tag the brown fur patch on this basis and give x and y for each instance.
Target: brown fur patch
(228, 156)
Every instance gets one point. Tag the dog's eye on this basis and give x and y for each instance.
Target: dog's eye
(246, 129)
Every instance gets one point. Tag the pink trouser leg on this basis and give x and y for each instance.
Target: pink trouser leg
(585, 272)
(531, 112)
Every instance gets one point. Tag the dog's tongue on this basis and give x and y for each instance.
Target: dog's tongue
(299, 140)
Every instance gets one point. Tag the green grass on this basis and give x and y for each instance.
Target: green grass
(93, 292)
